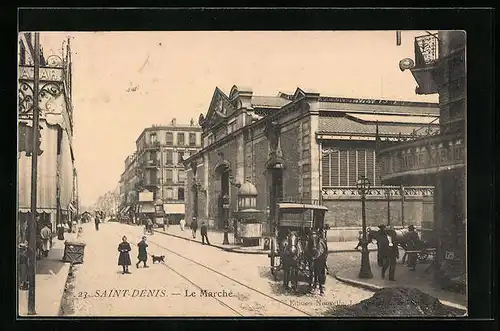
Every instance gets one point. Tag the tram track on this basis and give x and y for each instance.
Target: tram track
(233, 281)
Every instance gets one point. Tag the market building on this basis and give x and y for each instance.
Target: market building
(57, 185)
(438, 158)
(301, 147)
(156, 170)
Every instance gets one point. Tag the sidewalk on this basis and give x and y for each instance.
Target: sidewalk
(404, 277)
(50, 280)
(216, 238)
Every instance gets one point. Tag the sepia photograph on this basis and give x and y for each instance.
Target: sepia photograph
(242, 174)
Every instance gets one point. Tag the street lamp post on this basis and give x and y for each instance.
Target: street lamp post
(388, 197)
(363, 185)
(225, 206)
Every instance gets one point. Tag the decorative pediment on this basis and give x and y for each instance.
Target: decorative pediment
(298, 94)
(219, 110)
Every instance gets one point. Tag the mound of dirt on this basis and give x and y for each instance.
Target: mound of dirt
(397, 301)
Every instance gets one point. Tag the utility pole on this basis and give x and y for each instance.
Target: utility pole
(34, 166)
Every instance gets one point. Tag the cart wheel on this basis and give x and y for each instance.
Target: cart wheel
(422, 256)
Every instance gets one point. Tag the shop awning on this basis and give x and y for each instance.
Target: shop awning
(72, 208)
(174, 208)
(124, 209)
(147, 208)
(38, 210)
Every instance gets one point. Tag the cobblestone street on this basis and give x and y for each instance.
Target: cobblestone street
(243, 282)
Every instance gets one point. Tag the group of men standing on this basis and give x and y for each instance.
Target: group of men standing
(388, 250)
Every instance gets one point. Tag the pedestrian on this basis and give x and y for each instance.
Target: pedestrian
(204, 232)
(182, 223)
(74, 226)
(124, 258)
(66, 226)
(143, 253)
(45, 235)
(412, 242)
(60, 231)
(194, 227)
(97, 221)
(150, 225)
(360, 240)
(388, 251)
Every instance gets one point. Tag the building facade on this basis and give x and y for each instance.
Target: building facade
(56, 192)
(300, 147)
(157, 167)
(128, 187)
(438, 158)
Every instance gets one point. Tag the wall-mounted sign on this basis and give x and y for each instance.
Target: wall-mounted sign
(146, 196)
(46, 74)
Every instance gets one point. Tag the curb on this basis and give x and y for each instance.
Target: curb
(65, 292)
(374, 288)
(240, 251)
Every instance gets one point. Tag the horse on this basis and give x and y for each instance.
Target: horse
(399, 240)
(291, 256)
(317, 253)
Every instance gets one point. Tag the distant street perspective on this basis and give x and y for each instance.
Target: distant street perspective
(170, 184)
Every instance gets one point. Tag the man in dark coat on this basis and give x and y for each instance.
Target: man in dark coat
(412, 243)
(204, 232)
(388, 251)
(124, 258)
(143, 253)
(194, 226)
(97, 221)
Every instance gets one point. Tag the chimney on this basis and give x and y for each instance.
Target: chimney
(173, 121)
(191, 122)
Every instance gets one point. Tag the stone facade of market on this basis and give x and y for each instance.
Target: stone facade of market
(303, 147)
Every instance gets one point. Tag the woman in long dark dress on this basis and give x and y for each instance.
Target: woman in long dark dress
(124, 258)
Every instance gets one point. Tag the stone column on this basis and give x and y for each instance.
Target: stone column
(240, 159)
(206, 169)
(427, 217)
(315, 160)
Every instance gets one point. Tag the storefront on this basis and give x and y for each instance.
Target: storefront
(174, 212)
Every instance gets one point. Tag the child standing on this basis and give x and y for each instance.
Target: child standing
(124, 258)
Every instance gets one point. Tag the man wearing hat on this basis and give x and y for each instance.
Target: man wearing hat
(388, 250)
(194, 227)
(412, 242)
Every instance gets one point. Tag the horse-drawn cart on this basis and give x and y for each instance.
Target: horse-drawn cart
(296, 227)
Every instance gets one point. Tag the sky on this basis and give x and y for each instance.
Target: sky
(176, 74)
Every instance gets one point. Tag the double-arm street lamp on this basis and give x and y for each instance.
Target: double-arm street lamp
(363, 185)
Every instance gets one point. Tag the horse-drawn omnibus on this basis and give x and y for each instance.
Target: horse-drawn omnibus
(298, 244)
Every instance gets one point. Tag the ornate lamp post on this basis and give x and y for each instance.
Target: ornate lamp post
(363, 185)
(388, 197)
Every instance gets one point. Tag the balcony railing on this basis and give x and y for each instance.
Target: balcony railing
(151, 164)
(150, 183)
(426, 50)
(422, 156)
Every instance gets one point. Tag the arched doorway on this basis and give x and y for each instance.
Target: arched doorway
(222, 174)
